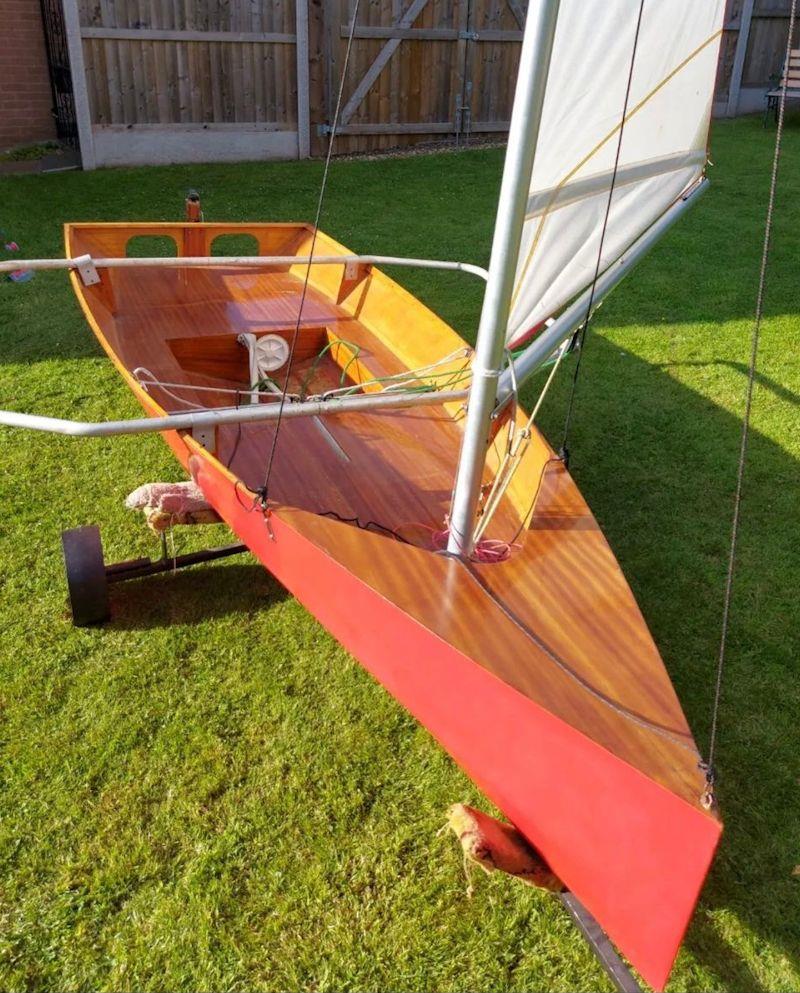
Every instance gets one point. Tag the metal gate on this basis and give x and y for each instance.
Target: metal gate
(422, 68)
(55, 37)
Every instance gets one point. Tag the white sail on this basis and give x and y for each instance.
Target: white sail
(663, 148)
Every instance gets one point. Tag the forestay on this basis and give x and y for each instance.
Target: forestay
(662, 152)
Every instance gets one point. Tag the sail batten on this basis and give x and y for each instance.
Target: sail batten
(587, 151)
(546, 201)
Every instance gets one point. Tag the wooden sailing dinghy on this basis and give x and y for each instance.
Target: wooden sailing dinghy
(537, 673)
(497, 614)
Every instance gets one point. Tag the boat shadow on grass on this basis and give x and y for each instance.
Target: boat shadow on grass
(711, 950)
(656, 462)
(190, 596)
(766, 382)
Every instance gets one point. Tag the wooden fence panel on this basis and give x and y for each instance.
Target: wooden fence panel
(170, 80)
(160, 62)
(733, 20)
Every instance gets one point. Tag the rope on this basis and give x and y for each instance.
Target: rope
(152, 381)
(398, 381)
(708, 765)
(581, 339)
(255, 390)
(264, 490)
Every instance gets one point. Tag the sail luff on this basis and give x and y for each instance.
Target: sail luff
(537, 48)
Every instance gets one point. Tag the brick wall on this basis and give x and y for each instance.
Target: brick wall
(25, 96)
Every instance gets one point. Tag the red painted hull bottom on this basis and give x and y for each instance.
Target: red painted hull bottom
(633, 852)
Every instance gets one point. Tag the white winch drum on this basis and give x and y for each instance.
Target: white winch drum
(271, 352)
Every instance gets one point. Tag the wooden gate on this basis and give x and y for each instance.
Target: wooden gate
(493, 47)
(420, 70)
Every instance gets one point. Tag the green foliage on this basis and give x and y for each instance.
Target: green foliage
(27, 153)
(209, 794)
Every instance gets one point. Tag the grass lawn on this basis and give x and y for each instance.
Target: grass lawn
(210, 794)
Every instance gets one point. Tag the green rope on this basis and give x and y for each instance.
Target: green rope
(356, 350)
(455, 376)
(318, 358)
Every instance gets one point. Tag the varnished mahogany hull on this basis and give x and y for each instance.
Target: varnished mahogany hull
(612, 803)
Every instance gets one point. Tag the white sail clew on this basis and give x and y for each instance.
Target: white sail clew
(663, 149)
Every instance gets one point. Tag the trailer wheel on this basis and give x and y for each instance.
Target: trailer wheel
(86, 575)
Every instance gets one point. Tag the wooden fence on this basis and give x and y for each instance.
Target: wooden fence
(753, 48)
(174, 80)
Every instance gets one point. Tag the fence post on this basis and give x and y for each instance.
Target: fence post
(303, 103)
(735, 86)
(77, 71)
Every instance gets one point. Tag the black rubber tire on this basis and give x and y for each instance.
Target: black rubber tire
(86, 575)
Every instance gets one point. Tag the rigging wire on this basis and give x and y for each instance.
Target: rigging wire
(581, 337)
(263, 492)
(708, 765)
(518, 442)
